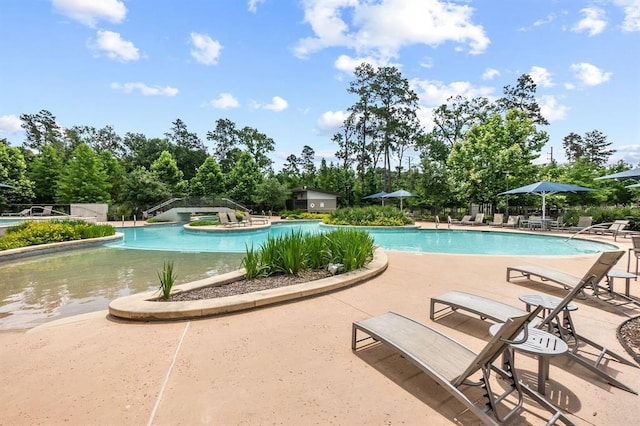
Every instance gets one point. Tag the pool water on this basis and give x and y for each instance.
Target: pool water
(42, 288)
(175, 238)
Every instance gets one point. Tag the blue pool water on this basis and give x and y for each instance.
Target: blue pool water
(175, 238)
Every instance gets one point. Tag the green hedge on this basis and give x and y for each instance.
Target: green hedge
(369, 216)
(30, 233)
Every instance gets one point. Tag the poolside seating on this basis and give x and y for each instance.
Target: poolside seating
(498, 220)
(224, 220)
(255, 219)
(46, 211)
(583, 223)
(234, 219)
(451, 365)
(479, 220)
(535, 222)
(25, 212)
(557, 321)
(465, 219)
(634, 252)
(605, 296)
(615, 228)
(512, 221)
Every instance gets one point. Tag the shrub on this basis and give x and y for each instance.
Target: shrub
(297, 251)
(369, 216)
(200, 222)
(167, 279)
(30, 233)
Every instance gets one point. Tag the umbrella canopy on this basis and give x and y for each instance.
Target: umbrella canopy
(544, 188)
(4, 185)
(401, 194)
(627, 174)
(376, 196)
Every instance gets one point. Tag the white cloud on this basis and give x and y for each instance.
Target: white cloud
(551, 109)
(490, 74)
(631, 9)
(382, 28)
(205, 49)
(330, 121)
(145, 90)
(277, 104)
(10, 123)
(594, 21)
(541, 76)
(225, 101)
(88, 12)
(436, 93)
(589, 74)
(425, 116)
(253, 5)
(348, 64)
(114, 46)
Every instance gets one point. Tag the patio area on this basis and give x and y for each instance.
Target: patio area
(292, 363)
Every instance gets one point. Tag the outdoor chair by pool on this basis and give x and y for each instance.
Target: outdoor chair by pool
(498, 220)
(615, 228)
(254, 220)
(605, 296)
(234, 219)
(554, 322)
(512, 222)
(479, 220)
(452, 365)
(25, 212)
(46, 211)
(465, 219)
(583, 223)
(224, 220)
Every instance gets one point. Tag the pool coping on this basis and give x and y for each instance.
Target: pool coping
(142, 306)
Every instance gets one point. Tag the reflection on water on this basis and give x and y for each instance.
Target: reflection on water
(44, 288)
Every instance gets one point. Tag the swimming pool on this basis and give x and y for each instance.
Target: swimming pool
(175, 238)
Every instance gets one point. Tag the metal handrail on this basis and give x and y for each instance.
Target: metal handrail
(598, 226)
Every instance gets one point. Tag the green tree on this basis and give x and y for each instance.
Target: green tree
(83, 179)
(242, 180)
(13, 171)
(115, 175)
(166, 170)
(259, 146)
(208, 179)
(523, 98)
(42, 129)
(45, 172)
(597, 147)
(573, 147)
(142, 189)
(105, 139)
(307, 166)
(478, 163)
(270, 194)
(188, 150)
(226, 143)
(142, 152)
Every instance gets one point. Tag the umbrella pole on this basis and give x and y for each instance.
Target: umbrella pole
(543, 206)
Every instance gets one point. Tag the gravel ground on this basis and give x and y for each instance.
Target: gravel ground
(630, 333)
(249, 286)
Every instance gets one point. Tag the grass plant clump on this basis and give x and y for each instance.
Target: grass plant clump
(297, 251)
(206, 222)
(167, 278)
(369, 216)
(300, 214)
(30, 233)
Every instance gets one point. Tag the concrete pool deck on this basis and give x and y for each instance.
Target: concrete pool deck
(292, 363)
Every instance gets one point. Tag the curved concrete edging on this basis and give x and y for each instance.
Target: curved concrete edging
(21, 252)
(142, 306)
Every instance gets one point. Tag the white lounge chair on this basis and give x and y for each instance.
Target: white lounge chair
(479, 220)
(465, 219)
(558, 320)
(498, 220)
(451, 365)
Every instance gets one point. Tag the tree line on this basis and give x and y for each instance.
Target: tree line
(477, 148)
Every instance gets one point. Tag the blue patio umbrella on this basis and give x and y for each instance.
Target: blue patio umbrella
(375, 196)
(401, 194)
(627, 174)
(544, 188)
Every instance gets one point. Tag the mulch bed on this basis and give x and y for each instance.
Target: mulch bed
(629, 336)
(249, 286)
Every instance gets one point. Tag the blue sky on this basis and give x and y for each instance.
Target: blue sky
(283, 66)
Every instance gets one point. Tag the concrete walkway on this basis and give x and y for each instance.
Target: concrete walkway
(292, 364)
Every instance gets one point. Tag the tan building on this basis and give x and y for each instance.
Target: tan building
(313, 200)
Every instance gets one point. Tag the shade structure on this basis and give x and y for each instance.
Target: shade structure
(375, 196)
(401, 194)
(627, 174)
(4, 185)
(544, 188)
